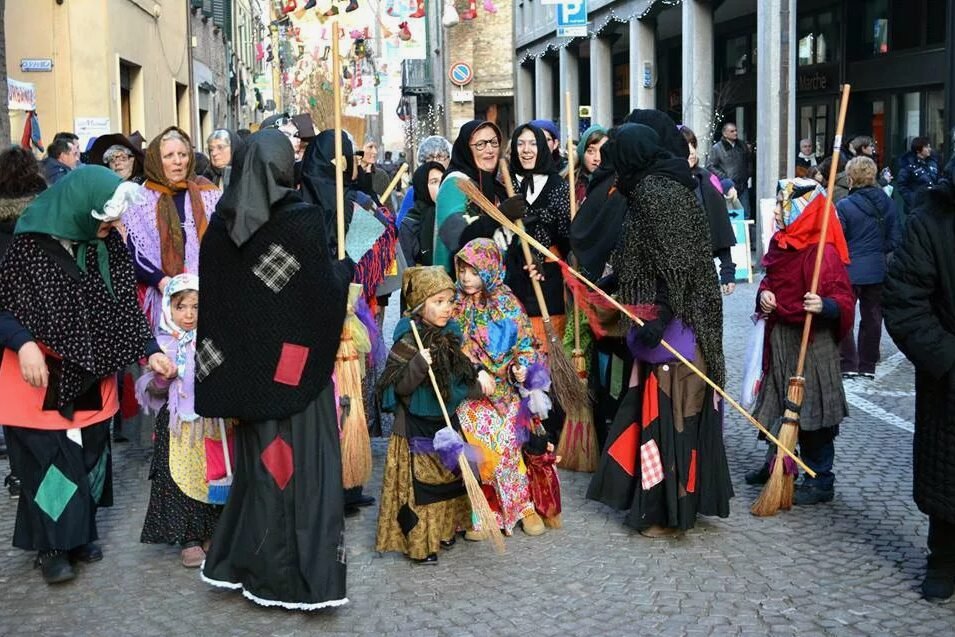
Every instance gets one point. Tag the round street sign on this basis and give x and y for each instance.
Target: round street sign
(460, 73)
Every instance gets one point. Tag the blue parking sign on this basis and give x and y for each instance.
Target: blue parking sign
(572, 19)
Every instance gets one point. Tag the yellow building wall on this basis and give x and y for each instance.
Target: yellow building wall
(86, 39)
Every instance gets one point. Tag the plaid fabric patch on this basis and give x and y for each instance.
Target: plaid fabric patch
(276, 267)
(651, 467)
(208, 357)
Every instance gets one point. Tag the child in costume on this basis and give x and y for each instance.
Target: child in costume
(784, 298)
(424, 501)
(188, 450)
(498, 337)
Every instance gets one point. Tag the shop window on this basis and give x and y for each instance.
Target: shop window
(737, 52)
(814, 124)
(818, 38)
(897, 25)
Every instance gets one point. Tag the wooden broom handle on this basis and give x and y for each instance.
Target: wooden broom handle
(434, 381)
(824, 230)
(394, 182)
(535, 284)
(339, 160)
(572, 184)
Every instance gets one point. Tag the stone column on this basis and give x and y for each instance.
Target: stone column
(697, 93)
(775, 99)
(543, 89)
(642, 51)
(601, 81)
(524, 93)
(569, 74)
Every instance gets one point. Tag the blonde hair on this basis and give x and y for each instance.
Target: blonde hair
(862, 171)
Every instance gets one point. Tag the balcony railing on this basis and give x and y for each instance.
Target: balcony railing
(416, 77)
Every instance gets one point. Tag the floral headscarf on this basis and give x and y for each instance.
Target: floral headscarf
(495, 326)
(804, 206)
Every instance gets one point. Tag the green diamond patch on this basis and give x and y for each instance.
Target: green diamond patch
(54, 493)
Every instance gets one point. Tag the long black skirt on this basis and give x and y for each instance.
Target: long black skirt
(664, 459)
(280, 537)
(62, 484)
(172, 516)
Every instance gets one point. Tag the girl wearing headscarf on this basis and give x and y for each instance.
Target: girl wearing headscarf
(416, 233)
(499, 339)
(187, 449)
(265, 357)
(784, 299)
(664, 459)
(588, 159)
(433, 148)
(69, 322)
(709, 193)
(547, 219)
(165, 228)
(423, 501)
(474, 156)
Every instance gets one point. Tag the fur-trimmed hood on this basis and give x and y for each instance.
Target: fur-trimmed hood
(11, 209)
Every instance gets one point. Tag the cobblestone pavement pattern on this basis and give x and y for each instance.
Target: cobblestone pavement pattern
(850, 567)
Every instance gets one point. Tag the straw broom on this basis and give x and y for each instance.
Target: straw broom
(479, 504)
(577, 446)
(475, 195)
(777, 493)
(356, 444)
(567, 385)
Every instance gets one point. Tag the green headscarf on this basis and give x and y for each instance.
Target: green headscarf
(65, 211)
(582, 144)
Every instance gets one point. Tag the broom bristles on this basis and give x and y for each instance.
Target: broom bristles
(566, 381)
(356, 443)
(479, 505)
(577, 446)
(778, 491)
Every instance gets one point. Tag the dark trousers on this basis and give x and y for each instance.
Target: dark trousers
(941, 544)
(863, 358)
(819, 457)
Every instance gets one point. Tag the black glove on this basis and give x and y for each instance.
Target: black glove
(514, 207)
(651, 332)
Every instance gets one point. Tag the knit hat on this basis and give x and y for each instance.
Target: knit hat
(419, 283)
(547, 125)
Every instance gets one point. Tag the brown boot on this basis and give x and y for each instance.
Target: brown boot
(555, 522)
(659, 531)
(532, 524)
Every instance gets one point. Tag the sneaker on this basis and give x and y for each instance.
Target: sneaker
(54, 566)
(86, 553)
(12, 483)
(806, 495)
(938, 584)
(849, 375)
(757, 476)
(867, 375)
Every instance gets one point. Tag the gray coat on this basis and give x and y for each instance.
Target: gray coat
(730, 161)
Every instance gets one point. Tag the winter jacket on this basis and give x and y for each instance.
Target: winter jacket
(841, 191)
(871, 226)
(53, 170)
(915, 175)
(730, 161)
(919, 309)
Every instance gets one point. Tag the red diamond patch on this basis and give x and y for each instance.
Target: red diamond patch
(277, 458)
(624, 449)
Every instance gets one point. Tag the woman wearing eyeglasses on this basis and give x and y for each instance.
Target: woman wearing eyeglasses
(474, 156)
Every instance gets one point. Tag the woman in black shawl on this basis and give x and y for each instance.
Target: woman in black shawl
(416, 233)
(318, 179)
(265, 358)
(664, 459)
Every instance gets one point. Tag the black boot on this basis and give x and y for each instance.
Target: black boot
(939, 583)
(757, 476)
(55, 566)
(86, 553)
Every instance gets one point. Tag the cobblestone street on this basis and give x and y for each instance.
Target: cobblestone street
(849, 567)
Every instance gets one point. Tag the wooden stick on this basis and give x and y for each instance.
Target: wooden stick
(475, 195)
(394, 182)
(571, 177)
(821, 246)
(339, 160)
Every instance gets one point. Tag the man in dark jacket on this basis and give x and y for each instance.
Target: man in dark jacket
(917, 171)
(919, 306)
(729, 159)
(872, 231)
(62, 156)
